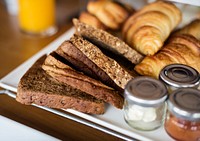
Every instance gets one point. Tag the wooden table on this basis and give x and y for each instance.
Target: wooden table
(15, 48)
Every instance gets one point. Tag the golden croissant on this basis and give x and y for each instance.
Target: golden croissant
(108, 12)
(181, 49)
(89, 19)
(192, 28)
(147, 29)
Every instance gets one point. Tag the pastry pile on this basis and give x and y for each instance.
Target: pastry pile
(106, 14)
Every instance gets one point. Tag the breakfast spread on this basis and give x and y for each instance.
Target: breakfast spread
(95, 67)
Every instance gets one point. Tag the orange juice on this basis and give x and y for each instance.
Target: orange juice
(36, 16)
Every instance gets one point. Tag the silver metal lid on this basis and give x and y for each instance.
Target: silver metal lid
(146, 91)
(179, 75)
(185, 103)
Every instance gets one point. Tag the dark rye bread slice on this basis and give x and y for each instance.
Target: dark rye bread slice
(58, 68)
(117, 73)
(36, 86)
(107, 41)
(82, 63)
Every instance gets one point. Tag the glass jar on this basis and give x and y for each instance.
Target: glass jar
(179, 76)
(144, 107)
(183, 116)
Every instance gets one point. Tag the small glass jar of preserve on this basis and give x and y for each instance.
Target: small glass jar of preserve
(145, 107)
(183, 116)
(179, 76)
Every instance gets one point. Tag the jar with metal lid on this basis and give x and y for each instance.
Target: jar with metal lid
(183, 116)
(145, 107)
(179, 76)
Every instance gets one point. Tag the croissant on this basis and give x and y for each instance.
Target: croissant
(89, 19)
(108, 12)
(192, 28)
(181, 49)
(147, 29)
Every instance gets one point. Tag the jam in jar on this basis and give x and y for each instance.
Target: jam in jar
(183, 116)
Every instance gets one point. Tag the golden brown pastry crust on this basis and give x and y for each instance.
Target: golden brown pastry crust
(143, 35)
(167, 8)
(182, 49)
(108, 12)
(89, 19)
(162, 16)
(192, 28)
(188, 40)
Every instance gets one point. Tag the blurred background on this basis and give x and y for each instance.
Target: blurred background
(14, 45)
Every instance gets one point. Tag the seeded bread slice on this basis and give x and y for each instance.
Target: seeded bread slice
(38, 87)
(83, 64)
(119, 75)
(54, 65)
(107, 41)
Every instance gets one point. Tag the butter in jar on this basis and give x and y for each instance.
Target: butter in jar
(145, 107)
(179, 76)
(183, 116)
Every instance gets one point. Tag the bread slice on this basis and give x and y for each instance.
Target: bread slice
(107, 41)
(83, 64)
(119, 75)
(38, 87)
(58, 68)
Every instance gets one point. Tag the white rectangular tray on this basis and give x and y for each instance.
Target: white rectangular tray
(111, 122)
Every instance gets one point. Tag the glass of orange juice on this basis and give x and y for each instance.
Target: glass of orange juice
(37, 17)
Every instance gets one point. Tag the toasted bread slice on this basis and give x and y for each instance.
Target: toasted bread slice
(36, 86)
(58, 68)
(105, 40)
(108, 65)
